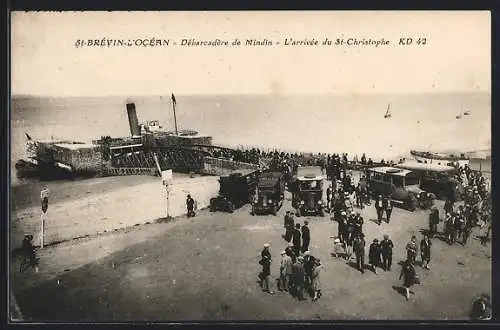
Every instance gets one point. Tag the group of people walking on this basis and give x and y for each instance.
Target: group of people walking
(299, 269)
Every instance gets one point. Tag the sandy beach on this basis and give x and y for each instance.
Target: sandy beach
(94, 206)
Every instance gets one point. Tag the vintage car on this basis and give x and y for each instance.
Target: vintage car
(270, 193)
(307, 191)
(436, 179)
(403, 186)
(236, 190)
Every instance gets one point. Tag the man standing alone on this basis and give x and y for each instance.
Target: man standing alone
(190, 206)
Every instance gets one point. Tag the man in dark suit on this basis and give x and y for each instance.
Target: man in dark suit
(296, 239)
(306, 236)
(359, 251)
(386, 247)
(379, 208)
(387, 206)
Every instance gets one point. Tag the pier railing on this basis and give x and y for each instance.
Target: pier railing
(217, 166)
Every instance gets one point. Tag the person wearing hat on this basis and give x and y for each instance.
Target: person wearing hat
(296, 239)
(316, 282)
(28, 254)
(285, 271)
(481, 308)
(289, 224)
(412, 250)
(386, 247)
(306, 236)
(460, 223)
(450, 228)
(289, 251)
(425, 251)
(433, 221)
(342, 227)
(329, 195)
(374, 255)
(409, 275)
(387, 206)
(358, 223)
(359, 250)
(298, 278)
(309, 262)
(190, 206)
(379, 207)
(265, 262)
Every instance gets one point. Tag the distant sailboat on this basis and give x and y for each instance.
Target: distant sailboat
(388, 113)
(459, 116)
(466, 113)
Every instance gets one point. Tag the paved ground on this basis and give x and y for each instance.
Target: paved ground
(206, 269)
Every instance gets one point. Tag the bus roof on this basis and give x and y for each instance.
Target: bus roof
(390, 170)
(415, 166)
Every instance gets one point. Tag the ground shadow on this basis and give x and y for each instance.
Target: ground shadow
(401, 290)
(353, 264)
(375, 221)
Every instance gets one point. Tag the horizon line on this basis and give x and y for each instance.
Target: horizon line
(18, 95)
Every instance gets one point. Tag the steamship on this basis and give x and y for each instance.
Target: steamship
(148, 149)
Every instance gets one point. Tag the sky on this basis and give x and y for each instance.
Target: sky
(45, 61)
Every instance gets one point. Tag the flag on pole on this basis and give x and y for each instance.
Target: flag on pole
(173, 99)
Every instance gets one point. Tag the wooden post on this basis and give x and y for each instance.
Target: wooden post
(168, 200)
(44, 196)
(42, 229)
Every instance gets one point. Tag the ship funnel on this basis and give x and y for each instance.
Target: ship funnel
(135, 129)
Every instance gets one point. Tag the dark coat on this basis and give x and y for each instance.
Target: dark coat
(408, 274)
(298, 273)
(425, 248)
(265, 261)
(359, 246)
(374, 253)
(296, 237)
(306, 234)
(386, 247)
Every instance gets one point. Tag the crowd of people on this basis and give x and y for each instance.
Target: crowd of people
(299, 269)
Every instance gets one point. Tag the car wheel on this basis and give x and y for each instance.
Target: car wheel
(298, 213)
(412, 203)
(230, 207)
(213, 207)
(274, 211)
(322, 213)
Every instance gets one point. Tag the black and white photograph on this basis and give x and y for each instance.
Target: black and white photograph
(172, 166)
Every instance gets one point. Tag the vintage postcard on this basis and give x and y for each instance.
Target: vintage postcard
(250, 165)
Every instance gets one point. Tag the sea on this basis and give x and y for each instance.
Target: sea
(313, 123)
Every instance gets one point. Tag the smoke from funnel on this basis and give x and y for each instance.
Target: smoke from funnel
(135, 129)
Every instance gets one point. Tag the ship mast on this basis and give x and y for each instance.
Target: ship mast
(174, 103)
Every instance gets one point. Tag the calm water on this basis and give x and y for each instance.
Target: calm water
(353, 124)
